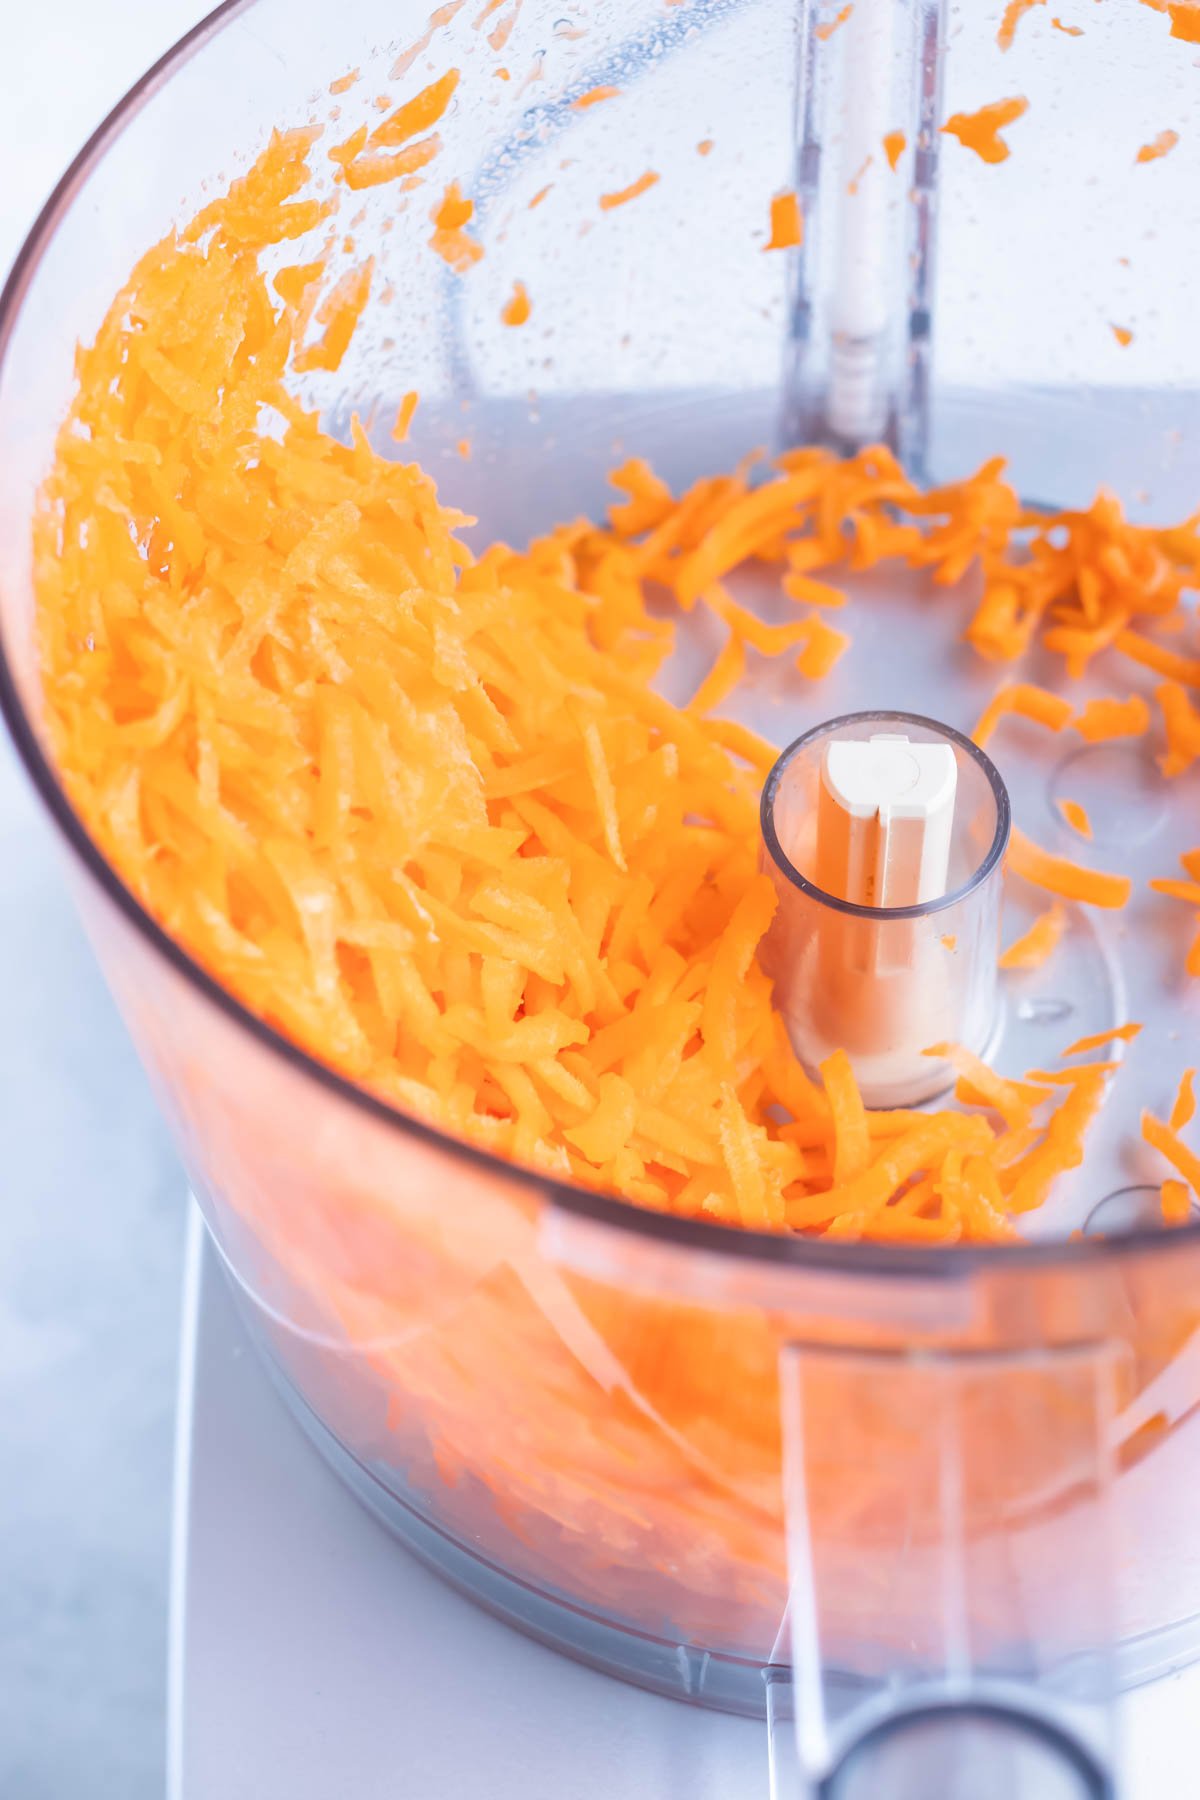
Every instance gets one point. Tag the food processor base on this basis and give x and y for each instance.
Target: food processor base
(309, 1656)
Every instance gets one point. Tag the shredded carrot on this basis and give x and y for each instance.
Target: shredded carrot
(949, 941)
(625, 194)
(1185, 20)
(1031, 702)
(1185, 1101)
(704, 147)
(1158, 146)
(450, 240)
(827, 27)
(1164, 1139)
(1069, 30)
(1125, 1033)
(1076, 817)
(851, 1140)
(339, 314)
(540, 196)
(516, 308)
(437, 21)
(1037, 945)
(1014, 12)
(980, 131)
(823, 650)
(1164, 661)
(787, 225)
(1182, 722)
(1176, 1202)
(1065, 878)
(594, 96)
(419, 114)
(894, 145)
(1104, 719)
(344, 82)
(1123, 335)
(404, 416)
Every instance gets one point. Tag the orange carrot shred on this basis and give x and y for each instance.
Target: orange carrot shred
(1176, 1202)
(1069, 30)
(1185, 1101)
(1185, 20)
(516, 308)
(823, 650)
(1161, 1137)
(594, 97)
(980, 131)
(1123, 335)
(1036, 946)
(1065, 878)
(894, 145)
(1157, 147)
(851, 1140)
(1126, 1033)
(1014, 12)
(404, 415)
(827, 27)
(416, 115)
(1031, 702)
(622, 195)
(787, 225)
(1104, 719)
(1076, 817)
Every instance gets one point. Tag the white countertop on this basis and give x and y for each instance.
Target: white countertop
(92, 1208)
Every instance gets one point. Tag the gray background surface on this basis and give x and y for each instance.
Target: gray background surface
(91, 1204)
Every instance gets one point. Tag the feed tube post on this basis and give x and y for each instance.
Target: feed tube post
(884, 835)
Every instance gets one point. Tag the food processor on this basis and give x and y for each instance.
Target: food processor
(925, 1509)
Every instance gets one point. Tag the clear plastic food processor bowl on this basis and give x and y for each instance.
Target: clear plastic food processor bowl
(916, 1501)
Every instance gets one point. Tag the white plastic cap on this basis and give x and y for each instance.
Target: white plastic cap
(886, 813)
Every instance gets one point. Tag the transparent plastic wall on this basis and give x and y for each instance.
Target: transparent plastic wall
(519, 1379)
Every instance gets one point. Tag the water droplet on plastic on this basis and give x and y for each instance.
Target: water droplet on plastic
(1044, 1011)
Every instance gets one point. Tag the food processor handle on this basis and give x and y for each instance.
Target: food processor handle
(950, 1623)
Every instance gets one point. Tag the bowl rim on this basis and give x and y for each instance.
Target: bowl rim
(622, 1218)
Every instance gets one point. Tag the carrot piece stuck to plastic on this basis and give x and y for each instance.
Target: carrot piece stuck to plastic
(787, 226)
(980, 131)
(1119, 1033)
(1061, 876)
(1027, 700)
(1037, 945)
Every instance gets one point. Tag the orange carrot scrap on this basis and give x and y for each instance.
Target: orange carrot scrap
(1163, 1138)
(1176, 1202)
(516, 308)
(1125, 1033)
(894, 145)
(419, 114)
(824, 648)
(1014, 12)
(980, 131)
(450, 240)
(404, 415)
(594, 97)
(623, 195)
(1104, 719)
(1036, 946)
(1185, 20)
(344, 82)
(1030, 701)
(851, 1140)
(787, 225)
(1069, 30)
(704, 147)
(1123, 335)
(1158, 146)
(949, 940)
(1164, 661)
(437, 21)
(1184, 1108)
(339, 313)
(1076, 817)
(827, 27)
(1065, 878)
(1182, 722)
